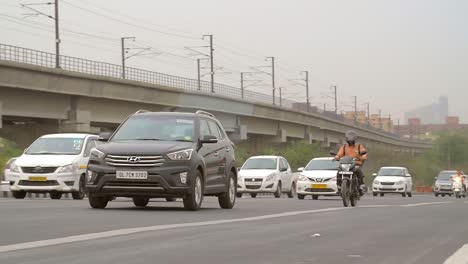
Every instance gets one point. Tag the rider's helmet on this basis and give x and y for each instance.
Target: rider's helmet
(351, 137)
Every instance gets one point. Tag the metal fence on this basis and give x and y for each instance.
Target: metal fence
(46, 59)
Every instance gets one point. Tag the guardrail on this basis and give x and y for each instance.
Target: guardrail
(46, 59)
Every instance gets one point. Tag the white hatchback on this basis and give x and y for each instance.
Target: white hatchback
(53, 164)
(318, 178)
(392, 180)
(266, 174)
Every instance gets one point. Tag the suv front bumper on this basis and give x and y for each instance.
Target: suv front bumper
(161, 182)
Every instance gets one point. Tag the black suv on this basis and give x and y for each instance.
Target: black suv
(164, 155)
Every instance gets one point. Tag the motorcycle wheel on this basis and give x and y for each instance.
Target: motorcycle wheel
(354, 196)
(345, 192)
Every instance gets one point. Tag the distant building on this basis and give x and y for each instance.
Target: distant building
(361, 116)
(384, 123)
(415, 129)
(435, 113)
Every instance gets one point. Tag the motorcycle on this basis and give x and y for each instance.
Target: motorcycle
(349, 180)
(457, 188)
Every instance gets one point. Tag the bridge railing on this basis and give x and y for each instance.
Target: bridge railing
(47, 59)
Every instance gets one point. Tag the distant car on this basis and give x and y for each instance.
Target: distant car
(266, 174)
(443, 183)
(53, 164)
(392, 180)
(6, 170)
(318, 178)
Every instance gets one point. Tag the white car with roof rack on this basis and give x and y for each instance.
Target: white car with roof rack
(53, 164)
(318, 178)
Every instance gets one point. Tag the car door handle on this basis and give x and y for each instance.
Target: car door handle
(227, 149)
(216, 154)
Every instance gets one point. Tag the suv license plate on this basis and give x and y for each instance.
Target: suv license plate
(253, 183)
(139, 175)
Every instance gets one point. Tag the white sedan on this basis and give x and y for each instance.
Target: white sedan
(392, 180)
(266, 174)
(318, 178)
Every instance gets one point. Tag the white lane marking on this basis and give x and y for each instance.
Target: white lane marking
(128, 231)
(459, 257)
(419, 204)
(377, 206)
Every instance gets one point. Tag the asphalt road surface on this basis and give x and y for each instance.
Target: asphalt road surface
(422, 229)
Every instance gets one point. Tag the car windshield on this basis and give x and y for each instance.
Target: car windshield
(322, 165)
(446, 175)
(260, 164)
(56, 146)
(156, 128)
(391, 172)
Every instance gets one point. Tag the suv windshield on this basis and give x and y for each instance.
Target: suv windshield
(156, 128)
(56, 146)
(260, 164)
(322, 165)
(446, 175)
(391, 172)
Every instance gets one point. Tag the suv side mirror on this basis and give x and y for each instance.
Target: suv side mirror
(435, 178)
(283, 169)
(374, 174)
(104, 137)
(408, 175)
(209, 139)
(301, 169)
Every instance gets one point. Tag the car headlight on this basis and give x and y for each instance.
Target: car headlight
(399, 182)
(437, 185)
(376, 182)
(96, 154)
(270, 177)
(303, 178)
(185, 154)
(14, 168)
(68, 168)
(345, 167)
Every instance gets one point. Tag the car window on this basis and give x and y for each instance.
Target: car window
(204, 128)
(285, 163)
(221, 131)
(214, 130)
(90, 145)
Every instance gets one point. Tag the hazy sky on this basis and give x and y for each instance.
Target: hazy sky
(397, 54)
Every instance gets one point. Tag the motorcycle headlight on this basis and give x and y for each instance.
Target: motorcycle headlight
(270, 177)
(345, 167)
(185, 154)
(96, 154)
(399, 182)
(376, 182)
(14, 168)
(457, 180)
(68, 168)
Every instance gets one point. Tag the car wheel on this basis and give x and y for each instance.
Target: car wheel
(382, 194)
(253, 195)
(140, 201)
(292, 192)
(443, 195)
(409, 194)
(436, 194)
(193, 201)
(55, 195)
(228, 199)
(403, 194)
(97, 202)
(300, 196)
(239, 195)
(315, 197)
(19, 194)
(374, 194)
(80, 194)
(278, 191)
(170, 199)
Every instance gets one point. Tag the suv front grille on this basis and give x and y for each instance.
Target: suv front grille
(135, 161)
(387, 183)
(39, 170)
(38, 183)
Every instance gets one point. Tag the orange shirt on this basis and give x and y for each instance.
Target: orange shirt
(352, 151)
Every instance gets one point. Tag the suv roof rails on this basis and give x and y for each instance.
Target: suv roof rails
(201, 112)
(142, 111)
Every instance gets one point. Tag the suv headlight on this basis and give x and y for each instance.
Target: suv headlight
(185, 154)
(14, 168)
(68, 168)
(96, 154)
(399, 182)
(376, 182)
(345, 167)
(437, 185)
(270, 177)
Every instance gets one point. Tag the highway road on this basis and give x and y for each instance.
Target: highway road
(422, 229)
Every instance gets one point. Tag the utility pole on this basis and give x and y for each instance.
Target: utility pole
(124, 51)
(336, 99)
(273, 76)
(198, 75)
(242, 85)
(280, 96)
(355, 108)
(57, 36)
(307, 89)
(380, 119)
(211, 62)
(324, 108)
(368, 112)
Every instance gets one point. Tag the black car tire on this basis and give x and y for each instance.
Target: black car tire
(239, 195)
(227, 200)
(19, 194)
(55, 195)
(140, 201)
(97, 202)
(300, 196)
(382, 194)
(409, 194)
(403, 194)
(80, 194)
(253, 195)
(194, 199)
(315, 197)
(374, 194)
(278, 191)
(292, 192)
(436, 194)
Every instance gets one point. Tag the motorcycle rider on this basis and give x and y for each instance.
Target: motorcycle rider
(353, 149)
(462, 177)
